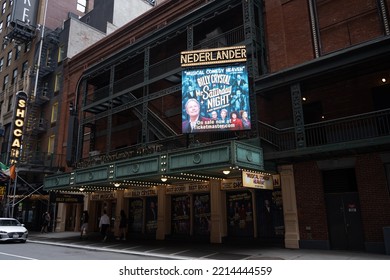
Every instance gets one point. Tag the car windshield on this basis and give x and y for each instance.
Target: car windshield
(9, 223)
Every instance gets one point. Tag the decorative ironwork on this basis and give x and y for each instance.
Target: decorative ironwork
(298, 115)
(190, 38)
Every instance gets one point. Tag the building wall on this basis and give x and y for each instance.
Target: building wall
(347, 23)
(341, 25)
(310, 201)
(57, 12)
(126, 10)
(289, 42)
(288, 36)
(374, 195)
(81, 36)
(123, 37)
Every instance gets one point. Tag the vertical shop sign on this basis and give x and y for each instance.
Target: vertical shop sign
(25, 11)
(18, 124)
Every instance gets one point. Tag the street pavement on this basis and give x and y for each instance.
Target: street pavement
(194, 250)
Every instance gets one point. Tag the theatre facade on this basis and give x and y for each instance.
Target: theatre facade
(198, 122)
(126, 144)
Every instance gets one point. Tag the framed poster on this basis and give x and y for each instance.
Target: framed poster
(240, 214)
(180, 214)
(202, 214)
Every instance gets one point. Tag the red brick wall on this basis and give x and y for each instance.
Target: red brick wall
(310, 201)
(346, 23)
(374, 196)
(288, 33)
(342, 24)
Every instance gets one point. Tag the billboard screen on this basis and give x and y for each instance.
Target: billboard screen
(215, 99)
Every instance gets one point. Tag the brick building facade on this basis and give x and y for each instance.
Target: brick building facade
(318, 76)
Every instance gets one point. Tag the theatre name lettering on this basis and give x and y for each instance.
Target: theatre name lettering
(69, 198)
(213, 56)
(17, 133)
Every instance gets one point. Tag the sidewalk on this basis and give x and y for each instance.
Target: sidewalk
(187, 250)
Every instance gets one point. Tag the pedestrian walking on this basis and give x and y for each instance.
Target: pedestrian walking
(84, 224)
(104, 225)
(45, 222)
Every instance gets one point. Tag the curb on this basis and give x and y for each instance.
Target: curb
(122, 251)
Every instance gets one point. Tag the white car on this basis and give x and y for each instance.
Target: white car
(12, 230)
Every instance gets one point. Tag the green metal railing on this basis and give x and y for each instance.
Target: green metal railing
(352, 128)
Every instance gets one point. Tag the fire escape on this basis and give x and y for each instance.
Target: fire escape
(36, 124)
(21, 32)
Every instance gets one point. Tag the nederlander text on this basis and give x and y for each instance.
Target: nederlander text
(213, 56)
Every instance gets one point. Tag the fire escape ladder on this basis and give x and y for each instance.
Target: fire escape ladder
(31, 131)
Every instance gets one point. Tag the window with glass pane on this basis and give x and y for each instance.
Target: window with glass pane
(61, 53)
(24, 68)
(5, 82)
(15, 76)
(9, 58)
(58, 82)
(54, 112)
(82, 6)
(50, 145)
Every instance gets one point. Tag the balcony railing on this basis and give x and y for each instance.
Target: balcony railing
(352, 128)
(174, 143)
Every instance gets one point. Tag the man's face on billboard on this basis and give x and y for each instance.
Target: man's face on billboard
(192, 108)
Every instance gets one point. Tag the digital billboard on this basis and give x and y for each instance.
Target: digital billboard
(215, 99)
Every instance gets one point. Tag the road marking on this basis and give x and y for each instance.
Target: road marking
(17, 256)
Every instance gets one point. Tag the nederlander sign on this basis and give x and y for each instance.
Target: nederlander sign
(213, 56)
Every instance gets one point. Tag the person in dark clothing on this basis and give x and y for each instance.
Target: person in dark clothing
(123, 225)
(45, 222)
(84, 224)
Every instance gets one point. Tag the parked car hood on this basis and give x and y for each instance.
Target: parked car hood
(12, 228)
